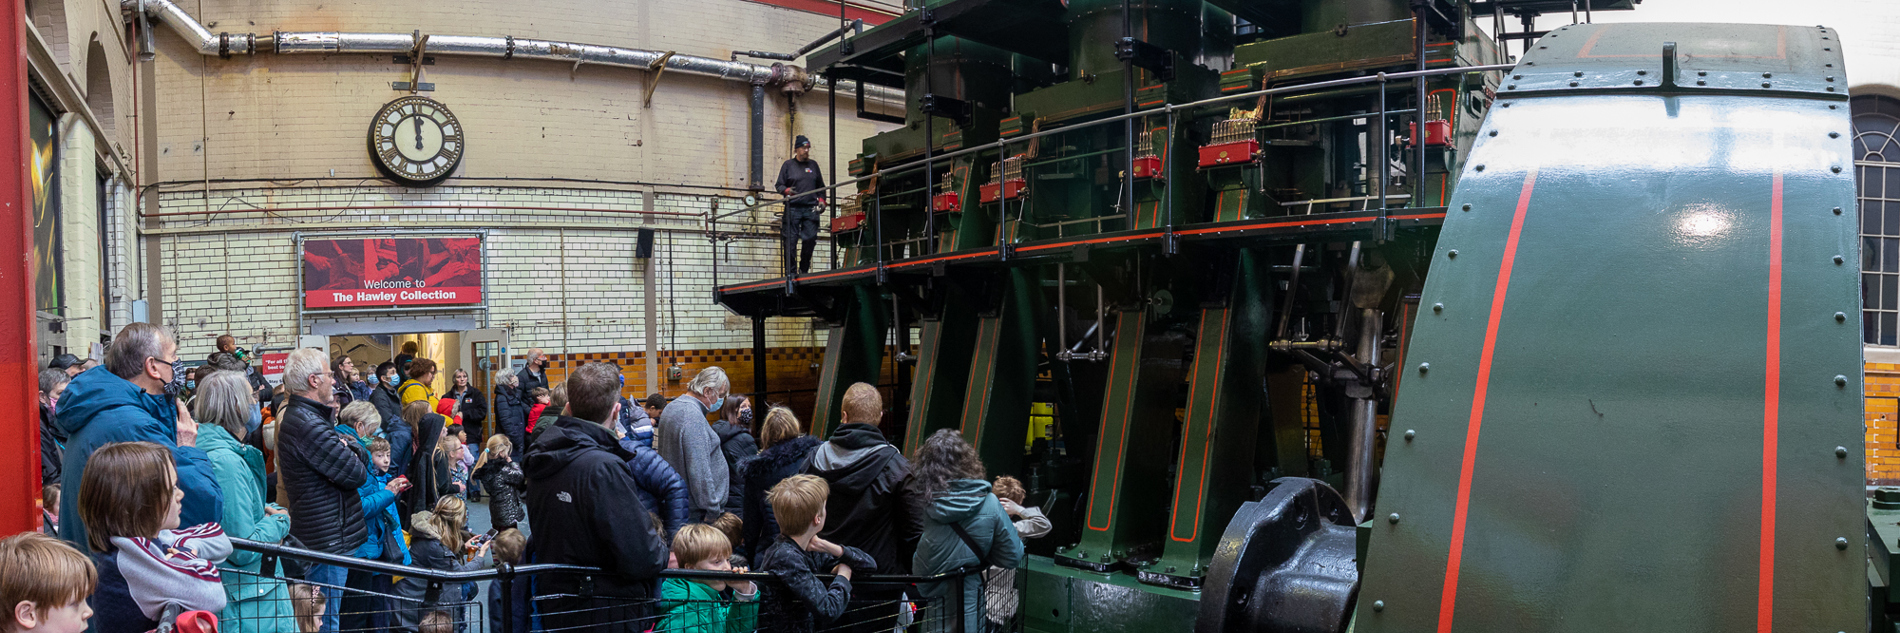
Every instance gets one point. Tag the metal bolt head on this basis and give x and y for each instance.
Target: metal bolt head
(1701, 82)
(1642, 73)
(1833, 134)
(1378, 605)
(1639, 82)
(1840, 381)
(1577, 74)
(1838, 260)
(1701, 73)
(1453, 253)
(1837, 210)
(1840, 317)
(1840, 543)
(1835, 169)
(1495, 132)
(1511, 87)
(1467, 207)
(1409, 434)
(1394, 518)
(1517, 76)
(1479, 167)
(1438, 307)
(1841, 452)
(1767, 75)
(1573, 84)
(1424, 367)
(1766, 85)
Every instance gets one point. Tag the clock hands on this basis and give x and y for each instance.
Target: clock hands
(418, 125)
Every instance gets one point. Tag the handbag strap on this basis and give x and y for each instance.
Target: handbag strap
(982, 557)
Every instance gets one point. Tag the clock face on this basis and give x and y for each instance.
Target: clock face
(416, 141)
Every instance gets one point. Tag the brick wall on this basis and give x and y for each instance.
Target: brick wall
(1882, 409)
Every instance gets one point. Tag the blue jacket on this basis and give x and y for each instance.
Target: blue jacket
(400, 437)
(379, 507)
(100, 408)
(662, 492)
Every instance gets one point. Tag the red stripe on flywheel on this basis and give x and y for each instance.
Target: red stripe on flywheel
(1771, 419)
(1449, 598)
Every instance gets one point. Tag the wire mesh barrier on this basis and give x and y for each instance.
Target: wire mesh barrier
(538, 598)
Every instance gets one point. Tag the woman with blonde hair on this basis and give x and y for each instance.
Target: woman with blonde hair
(786, 449)
(438, 540)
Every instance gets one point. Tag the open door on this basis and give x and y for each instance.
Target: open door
(483, 352)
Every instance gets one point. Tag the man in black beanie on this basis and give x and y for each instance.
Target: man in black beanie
(798, 179)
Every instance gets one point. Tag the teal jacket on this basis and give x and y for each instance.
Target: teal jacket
(690, 607)
(968, 503)
(253, 604)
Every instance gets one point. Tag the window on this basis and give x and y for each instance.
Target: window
(1877, 164)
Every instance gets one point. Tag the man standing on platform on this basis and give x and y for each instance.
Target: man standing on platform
(798, 179)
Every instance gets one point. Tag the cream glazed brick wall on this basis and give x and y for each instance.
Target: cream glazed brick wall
(564, 281)
(286, 117)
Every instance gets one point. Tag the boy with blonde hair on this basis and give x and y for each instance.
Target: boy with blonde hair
(797, 553)
(705, 605)
(44, 584)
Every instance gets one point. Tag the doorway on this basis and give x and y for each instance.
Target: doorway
(479, 352)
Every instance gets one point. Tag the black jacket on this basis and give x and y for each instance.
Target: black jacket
(801, 178)
(424, 486)
(870, 507)
(321, 470)
(474, 408)
(737, 444)
(759, 473)
(799, 602)
(511, 417)
(528, 382)
(503, 480)
(578, 500)
(387, 402)
(52, 448)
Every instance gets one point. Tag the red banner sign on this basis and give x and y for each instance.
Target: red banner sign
(384, 272)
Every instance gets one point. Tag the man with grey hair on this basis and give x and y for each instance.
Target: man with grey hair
(535, 374)
(130, 399)
(688, 444)
(320, 470)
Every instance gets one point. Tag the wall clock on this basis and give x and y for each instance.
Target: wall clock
(416, 141)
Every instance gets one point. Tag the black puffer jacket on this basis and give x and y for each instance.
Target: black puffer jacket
(52, 448)
(387, 403)
(871, 506)
(759, 473)
(579, 494)
(511, 418)
(737, 444)
(424, 486)
(321, 471)
(503, 480)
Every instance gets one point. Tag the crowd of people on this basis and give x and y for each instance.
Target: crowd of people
(169, 465)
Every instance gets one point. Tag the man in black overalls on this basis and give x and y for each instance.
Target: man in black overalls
(798, 178)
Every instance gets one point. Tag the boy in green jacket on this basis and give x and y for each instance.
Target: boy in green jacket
(704, 605)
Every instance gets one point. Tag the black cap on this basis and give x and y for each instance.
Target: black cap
(63, 361)
(801, 141)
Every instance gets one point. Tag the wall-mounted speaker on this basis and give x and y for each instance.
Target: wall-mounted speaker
(643, 249)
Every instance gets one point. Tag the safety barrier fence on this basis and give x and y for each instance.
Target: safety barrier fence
(548, 597)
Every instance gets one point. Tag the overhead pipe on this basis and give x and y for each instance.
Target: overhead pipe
(221, 44)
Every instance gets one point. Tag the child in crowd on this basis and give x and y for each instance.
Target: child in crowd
(797, 553)
(129, 500)
(44, 584)
(437, 622)
(49, 509)
(730, 525)
(448, 464)
(437, 541)
(502, 477)
(542, 398)
(384, 542)
(698, 605)
(1000, 583)
(461, 463)
(511, 548)
(308, 603)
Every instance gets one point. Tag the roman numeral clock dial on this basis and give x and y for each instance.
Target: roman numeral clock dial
(416, 141)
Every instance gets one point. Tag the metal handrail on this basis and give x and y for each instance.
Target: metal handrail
(1167, 108)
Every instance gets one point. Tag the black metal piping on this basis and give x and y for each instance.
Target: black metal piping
(758, 137)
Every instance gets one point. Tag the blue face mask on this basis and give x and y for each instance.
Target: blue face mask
(391, 379)
(716, 405)
(191, 384)
(257, 420)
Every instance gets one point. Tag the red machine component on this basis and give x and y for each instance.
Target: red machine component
(847, 222)
(1147, 166)
(1437, 133)
(1229, 153)
(946, 202)
(1007, 190)
(19, 391)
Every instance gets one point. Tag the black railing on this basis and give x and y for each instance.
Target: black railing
(946, 614)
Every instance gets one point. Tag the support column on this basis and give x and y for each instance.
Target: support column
(943, 367)
(1003, 375)
(758, 360)
(853, 353)
(18, 358)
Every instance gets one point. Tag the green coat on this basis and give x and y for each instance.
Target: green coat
(966, 502)
(253, 604)
(690, 607)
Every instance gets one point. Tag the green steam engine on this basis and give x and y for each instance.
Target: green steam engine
(1170, 262)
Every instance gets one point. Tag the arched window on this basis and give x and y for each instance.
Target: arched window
(1877, 164)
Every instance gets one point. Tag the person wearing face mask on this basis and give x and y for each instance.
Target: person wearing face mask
(126, 400)
(691, 447)
(384, 395)
(734, 429)
(52, 440)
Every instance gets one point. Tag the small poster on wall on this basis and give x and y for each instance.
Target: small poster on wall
(273, 369)
(391, 272)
